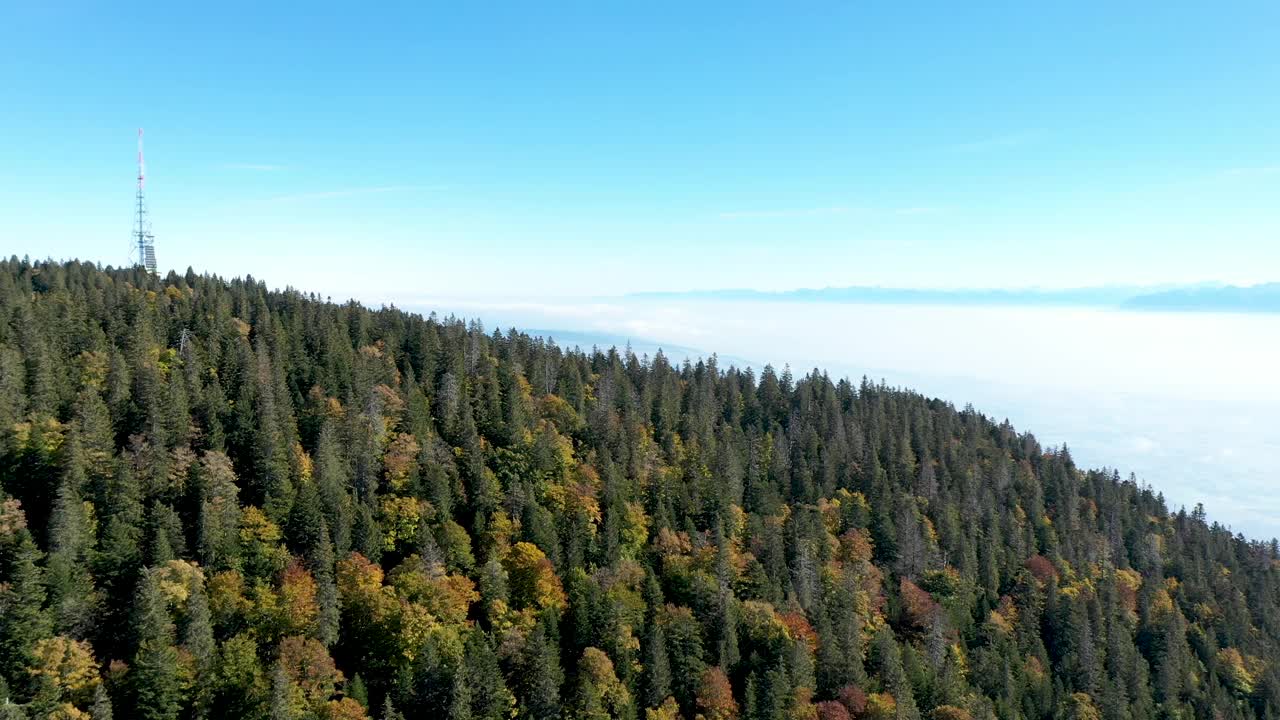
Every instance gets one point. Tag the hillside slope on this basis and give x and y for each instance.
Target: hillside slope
(223, 501)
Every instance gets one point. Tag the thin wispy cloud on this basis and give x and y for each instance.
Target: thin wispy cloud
(349, 192)
(785, 213)
(997, 142)
(1142, 444)
(1252, 171)
(255, 167)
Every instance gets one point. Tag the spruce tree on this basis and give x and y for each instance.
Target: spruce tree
(540, 676)
(153, 673)
(101, 707)
(23, 620)
(71, 591)
(490, 699)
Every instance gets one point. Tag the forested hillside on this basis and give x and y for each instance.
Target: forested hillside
(221, 501)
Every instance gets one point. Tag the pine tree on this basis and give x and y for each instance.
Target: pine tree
(684, 648)
(489, 697)
(219, 512)
(23, 620)
(71, 591)
(197, 639)
(889, 661)
(284, 704)
(11, 711)
(332, 483)
(328, 622)
(460, 698)
(656, 678)
(101, 707)
(389, 711)
(356, 690)
(540, 677)
(154, 671)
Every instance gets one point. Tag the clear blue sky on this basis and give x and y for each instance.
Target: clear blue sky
(597, 147)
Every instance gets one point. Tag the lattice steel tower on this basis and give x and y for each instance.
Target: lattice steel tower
(144, 243)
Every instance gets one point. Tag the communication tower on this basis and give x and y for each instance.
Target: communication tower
(144, 243)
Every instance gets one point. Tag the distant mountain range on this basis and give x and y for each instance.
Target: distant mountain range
(1256, 298)
(1206, 297)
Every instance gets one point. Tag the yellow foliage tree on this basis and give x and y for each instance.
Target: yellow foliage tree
(950, 712)
(595, 670)
(880, 706)
(1080, 706)
(400, 519)
(1238, 671)
(297, 608)
(532, 579)
(63, 670)
(668, 710)
(67, 711)
(360, 588)
(343, 709)
(176, 578)
(400, 460)
(263, 553)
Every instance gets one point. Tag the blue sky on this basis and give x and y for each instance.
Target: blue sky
(534, 149)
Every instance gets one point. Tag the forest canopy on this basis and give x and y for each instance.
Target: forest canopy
(219, 500)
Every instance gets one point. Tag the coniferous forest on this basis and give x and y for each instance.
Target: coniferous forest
(223, 501)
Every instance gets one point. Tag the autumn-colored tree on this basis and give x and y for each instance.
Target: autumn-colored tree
(668, 710)
(852, 697)
(297, 609)
(447, 596)
(63, 671)
(1079, 706)
(399, 518)
(532, 579)
(307, 663)
(400, 461)
(600, 695)
(67, 711)
(832, 710)
(715, 696)
(949, 712)
(1041, 567)
(361, 590)
(880, 706)
(1238, 671)
(342, 709)
(918, 606)
(262, 552)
